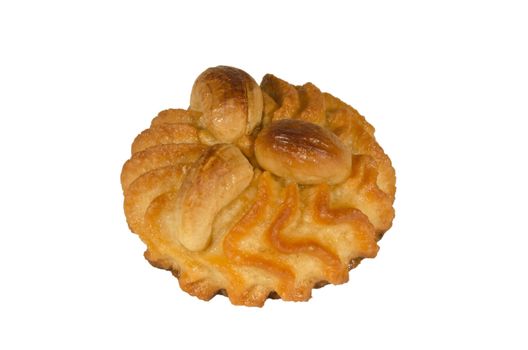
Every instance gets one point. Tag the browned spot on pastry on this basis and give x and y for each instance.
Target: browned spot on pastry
(230, 102)
(303, 152)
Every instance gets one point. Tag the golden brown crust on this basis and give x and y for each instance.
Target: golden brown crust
(176, 116)
(218, 177)
(352, 128)
(158, 157)
(163, 135)
(284, 95)
(303, 152)
(258, 193)
(230, 102)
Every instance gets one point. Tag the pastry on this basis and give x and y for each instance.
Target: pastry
(258, 191)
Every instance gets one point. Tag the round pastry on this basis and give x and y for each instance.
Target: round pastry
(258, 191)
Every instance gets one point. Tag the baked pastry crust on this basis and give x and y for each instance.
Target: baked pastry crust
(258, 191)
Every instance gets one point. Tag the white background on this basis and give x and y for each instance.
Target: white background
(445, 85)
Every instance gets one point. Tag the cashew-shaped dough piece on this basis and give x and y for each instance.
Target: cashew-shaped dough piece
(230, 101)
(303, 152)
(217, 178)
